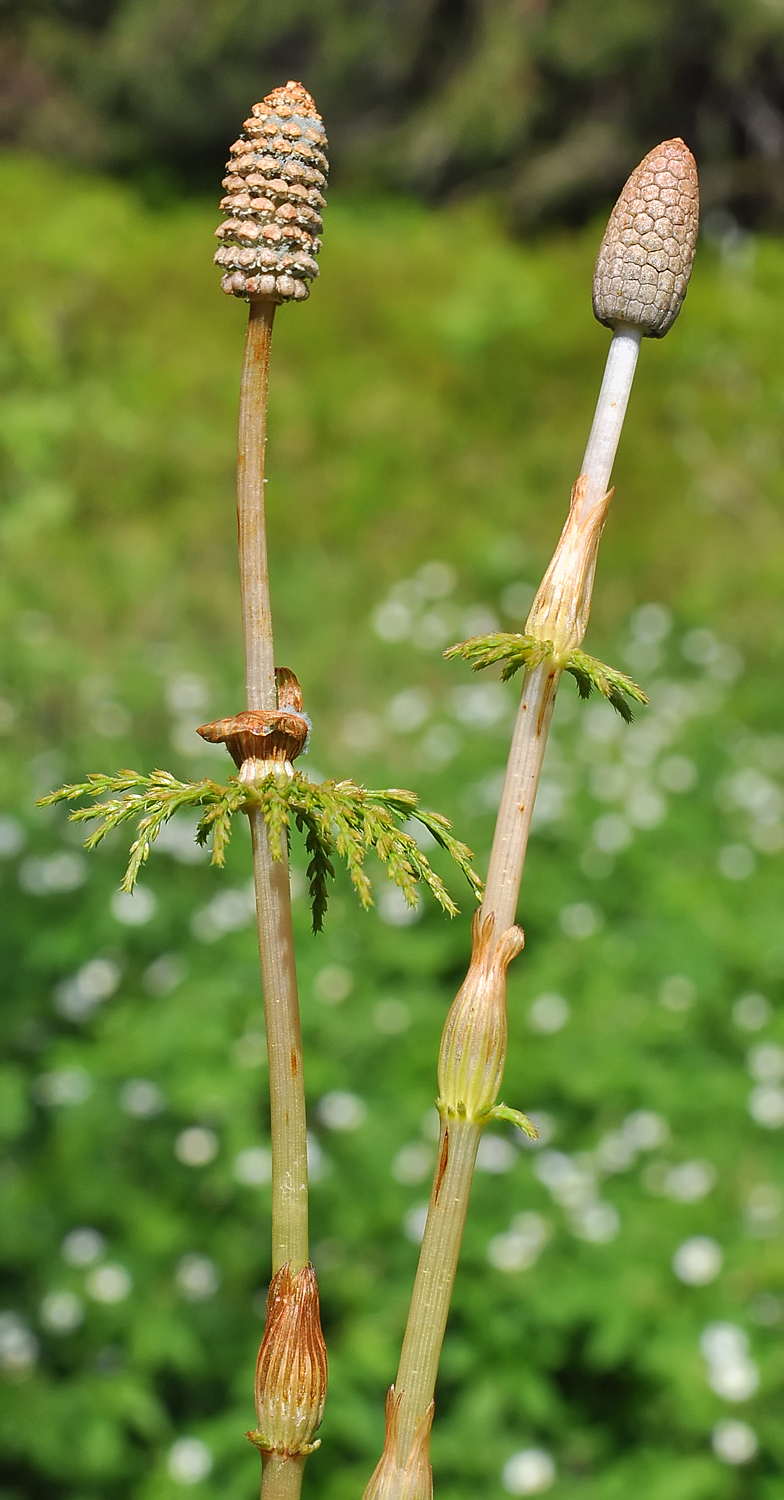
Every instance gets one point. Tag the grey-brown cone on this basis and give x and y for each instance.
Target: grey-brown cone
(646, 255)
(270, 236)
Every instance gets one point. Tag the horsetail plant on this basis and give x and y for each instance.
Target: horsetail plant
(641, 276)
(269, 243)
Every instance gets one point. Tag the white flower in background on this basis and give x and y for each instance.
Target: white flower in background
(520, 1247)
(109, 1283)
(763, 1210)
(690, 1182)
(134, 909)
(570, 1183)
(645, 1130)
(61, 1312)
(697, 1261)
(495, 1154)
(319, 1163)
(597, 1222)
(178, 836)
(189, 1461)
(249, 1050)
(435, 579)
(601, 724)
(414, 1223)
(548, 1013)
(734, 1442)
(650, 623)
(433, 629)
(164, 974)
(196, 1146)
(751, 1012)
(736, 862)
(392, 620)
(677, 992)
(412, 1163)
(611, 833)
(393, 908)
(253, 1166)
(581, 920)
(766, 1063)
(12, 835)
(229, 911)
(333, 984)
(187, 693)
(615, 1152)
(64, 1086)
(361, 731)
(730, 1371)
(77, 997)
(141, 1098)
(392, 1017)
(18, 1346)
(517, 598)
(440, 745)
(766, 1106)
(82, 1247)
(480, 705)
(646, 808)
(53, 876)
(408, 710)
(528, 1472)
(677, 773)
(197, 1277)
(340, 1110)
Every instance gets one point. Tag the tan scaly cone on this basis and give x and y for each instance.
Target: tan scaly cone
(642, 272)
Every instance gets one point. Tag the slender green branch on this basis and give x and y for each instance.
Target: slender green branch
(474, 1042)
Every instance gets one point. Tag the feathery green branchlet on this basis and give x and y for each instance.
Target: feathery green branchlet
(514, 651)
(337, 818)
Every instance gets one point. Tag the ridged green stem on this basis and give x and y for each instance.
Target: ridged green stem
(416, 1377)
(448, 1206)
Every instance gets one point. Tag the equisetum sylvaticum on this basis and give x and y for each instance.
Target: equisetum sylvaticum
(269, 241)
(641, 275)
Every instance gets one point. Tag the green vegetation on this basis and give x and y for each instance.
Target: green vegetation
(428, 416)
(550, 105)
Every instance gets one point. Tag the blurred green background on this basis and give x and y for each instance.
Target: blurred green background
(619, 1308)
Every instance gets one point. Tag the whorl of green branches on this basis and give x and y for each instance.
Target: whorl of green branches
(516, 651)
(337, 818)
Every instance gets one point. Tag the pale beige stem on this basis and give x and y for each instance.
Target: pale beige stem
(251, 528)
(515, 810)
(288, 1129)
(281, 1476)
(271, 877)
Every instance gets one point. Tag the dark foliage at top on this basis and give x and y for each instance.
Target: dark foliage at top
(550, 102)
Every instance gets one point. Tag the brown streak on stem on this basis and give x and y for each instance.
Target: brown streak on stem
(543, 709)
(442, 1165)
(294, 1063)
